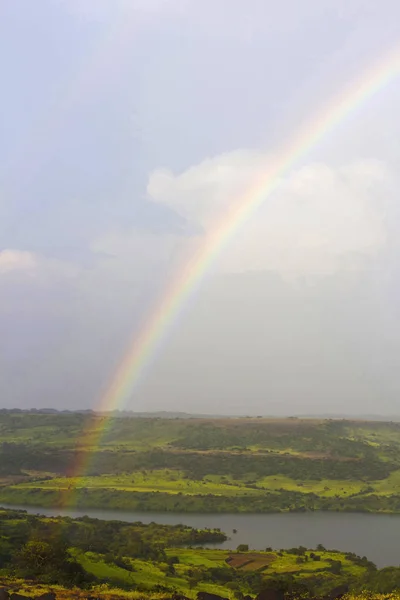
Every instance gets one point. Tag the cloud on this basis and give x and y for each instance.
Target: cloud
(16, 260)
(32, 269)
(321, 218)
(255, 344)
(68, 326)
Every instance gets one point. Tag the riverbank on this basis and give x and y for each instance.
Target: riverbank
(375, 536)
(152, 557)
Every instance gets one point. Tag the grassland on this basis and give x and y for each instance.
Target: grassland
(214, 465)
(163, 558)
(196, 567)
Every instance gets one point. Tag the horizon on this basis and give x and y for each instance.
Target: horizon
(175, 414)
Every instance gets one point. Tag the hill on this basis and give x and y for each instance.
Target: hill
(199, 465)
(92, 554)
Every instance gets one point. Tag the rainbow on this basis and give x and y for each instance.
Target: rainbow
(189, 277)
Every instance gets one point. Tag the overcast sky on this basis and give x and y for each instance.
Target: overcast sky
(127, 129)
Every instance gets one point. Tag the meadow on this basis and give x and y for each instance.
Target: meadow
(225, 572)
(199, 465)
(90, 553)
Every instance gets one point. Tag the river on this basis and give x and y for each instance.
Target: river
(374, 536)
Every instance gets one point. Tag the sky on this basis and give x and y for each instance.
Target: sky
(128, 129)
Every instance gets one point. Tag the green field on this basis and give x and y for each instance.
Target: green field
(200, 465)
(198, 564)
(153, 559)
(88, 552)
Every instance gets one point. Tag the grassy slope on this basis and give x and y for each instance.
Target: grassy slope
(109, 550)
(331, 459)
(148, 574)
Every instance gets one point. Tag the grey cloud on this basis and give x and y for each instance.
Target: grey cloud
(255, 344)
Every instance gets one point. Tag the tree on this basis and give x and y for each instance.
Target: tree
(192, 581)
(34, 556)
(336, 567)
(243, 548)
(5, 553)
(49, 562)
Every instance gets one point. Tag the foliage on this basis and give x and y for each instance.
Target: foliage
(49, 549)
(200, 465)
(148, 558)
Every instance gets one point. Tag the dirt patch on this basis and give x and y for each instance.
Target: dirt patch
(250, 561)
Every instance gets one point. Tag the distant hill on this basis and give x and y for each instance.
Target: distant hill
(118, 413)
(184, 415)
(347, 417)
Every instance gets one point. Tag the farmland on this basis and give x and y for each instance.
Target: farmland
(199, 465)
(158, 558)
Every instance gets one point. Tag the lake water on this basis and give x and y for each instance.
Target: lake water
(374, 536)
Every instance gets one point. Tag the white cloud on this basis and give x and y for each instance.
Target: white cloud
(320, 219)
(24, 264)
(17, 260)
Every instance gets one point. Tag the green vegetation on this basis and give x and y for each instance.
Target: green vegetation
(78, 551)
(154, 558)
(199, 465)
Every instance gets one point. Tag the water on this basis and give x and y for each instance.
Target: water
(374, 536)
